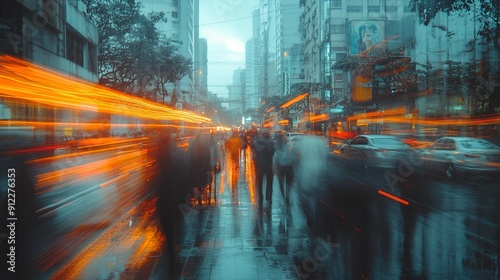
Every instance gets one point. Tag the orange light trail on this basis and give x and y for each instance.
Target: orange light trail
(250, 175)
(390, 112)
(319, 118)
(397, 115)
(295, 99)
(283, 122)
(94, 125)
(402, 201)
(26, 81)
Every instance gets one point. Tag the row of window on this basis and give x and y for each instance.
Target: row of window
(337, 4)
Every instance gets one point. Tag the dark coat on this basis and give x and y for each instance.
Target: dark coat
(263, 149)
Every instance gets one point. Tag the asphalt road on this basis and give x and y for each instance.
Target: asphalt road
(351, 224)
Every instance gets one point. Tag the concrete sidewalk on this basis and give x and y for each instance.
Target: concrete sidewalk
(234, 238)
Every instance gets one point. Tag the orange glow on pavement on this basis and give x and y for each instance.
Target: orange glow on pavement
(135, 246)
(250, 174)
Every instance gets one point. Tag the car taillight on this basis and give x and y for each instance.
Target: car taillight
(472, 156)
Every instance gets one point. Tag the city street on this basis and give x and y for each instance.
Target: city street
(350, 226)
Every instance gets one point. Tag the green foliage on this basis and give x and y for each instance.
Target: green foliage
(133, 56)
(487, 14)
(387, 66)
(272, 101)
(300, 88)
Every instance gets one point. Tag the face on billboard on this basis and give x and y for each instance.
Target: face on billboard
(366, 34)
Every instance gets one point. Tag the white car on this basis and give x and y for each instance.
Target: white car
(375, 151)
(454, 156)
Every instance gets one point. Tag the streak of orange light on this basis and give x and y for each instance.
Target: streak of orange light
(90, 125)
(22, 80)
(98, 146)
(283, 122)
(56, 254)
(390, 112)
(437, 122)
(220, 183)
(294, 100)
(268, 125)
(141, 233)
(106, 161)
(270, 109)
(250, 175)
(402, 201)
(116, 179)
(319, 118)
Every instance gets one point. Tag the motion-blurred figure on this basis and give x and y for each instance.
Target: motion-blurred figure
(233, 146)
(309, 172)
(263, 149)
(204, 161)
(283, 161)
(172, 193)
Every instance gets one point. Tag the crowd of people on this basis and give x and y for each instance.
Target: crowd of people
(188, 165)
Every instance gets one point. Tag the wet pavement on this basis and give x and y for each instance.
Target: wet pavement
(348, 226)
(234, 238)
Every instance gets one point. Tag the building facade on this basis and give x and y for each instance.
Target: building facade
(253, 64)
(182, 26)
(236, 91)
(55, 35)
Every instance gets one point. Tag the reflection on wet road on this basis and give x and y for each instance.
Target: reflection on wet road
(350, 226)
(430, 229)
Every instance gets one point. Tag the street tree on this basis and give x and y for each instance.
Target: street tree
(378, 65)
(300, 88)
(133, 56)
(488, 14)
(170, 68)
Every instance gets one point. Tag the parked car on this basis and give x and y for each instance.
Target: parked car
(375, 151)
(455, 156)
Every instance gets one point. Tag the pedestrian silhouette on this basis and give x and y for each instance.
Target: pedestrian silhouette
(283, 162)
(263, 149)
(172, 194)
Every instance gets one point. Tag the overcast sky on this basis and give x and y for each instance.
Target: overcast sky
(227, 25)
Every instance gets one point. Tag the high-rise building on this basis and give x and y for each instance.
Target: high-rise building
(55, 34)
(253, 65)
(335, 29)
(236, 91)
(282, 45)
(251, 98)
(182, 26)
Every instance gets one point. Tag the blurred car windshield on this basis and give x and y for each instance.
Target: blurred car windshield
(477, 144)
(386, 141)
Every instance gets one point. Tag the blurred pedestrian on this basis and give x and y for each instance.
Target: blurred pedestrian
(205, 160)
(283, 161)
(310, 170)
(172, 193)
(233, 146)
(263, 149)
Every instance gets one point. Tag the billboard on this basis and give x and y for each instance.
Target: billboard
(365, 34)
